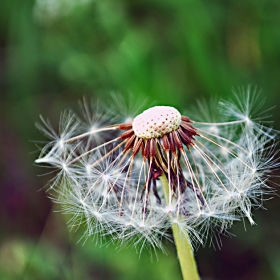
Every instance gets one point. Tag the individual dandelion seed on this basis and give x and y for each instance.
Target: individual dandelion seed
(163, 170)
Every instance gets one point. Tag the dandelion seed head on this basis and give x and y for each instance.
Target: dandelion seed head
(96, 214)
(82, 202)
(93, 127)
(61, 144)
(64, 166)
(156, 121)
(248, 121)
(217, 169)
(105, 177)
(128, 119)
(169, 208)
(214, 129)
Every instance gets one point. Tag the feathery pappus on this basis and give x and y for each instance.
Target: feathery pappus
(217, 163)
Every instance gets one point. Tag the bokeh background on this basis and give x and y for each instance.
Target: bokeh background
(55, 52)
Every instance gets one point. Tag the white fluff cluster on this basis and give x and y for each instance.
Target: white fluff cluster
(225, 173)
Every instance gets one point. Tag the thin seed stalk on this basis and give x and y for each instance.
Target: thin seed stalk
(182, 243)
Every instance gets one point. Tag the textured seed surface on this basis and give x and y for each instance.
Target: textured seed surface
(156, 121)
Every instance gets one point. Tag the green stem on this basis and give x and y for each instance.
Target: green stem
(182, 243)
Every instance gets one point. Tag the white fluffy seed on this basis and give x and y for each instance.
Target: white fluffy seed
(156, 121)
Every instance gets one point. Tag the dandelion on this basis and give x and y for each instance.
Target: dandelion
(136, 180)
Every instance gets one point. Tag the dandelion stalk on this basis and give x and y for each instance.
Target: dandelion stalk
(182, 243)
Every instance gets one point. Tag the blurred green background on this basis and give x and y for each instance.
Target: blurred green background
(54, 52)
